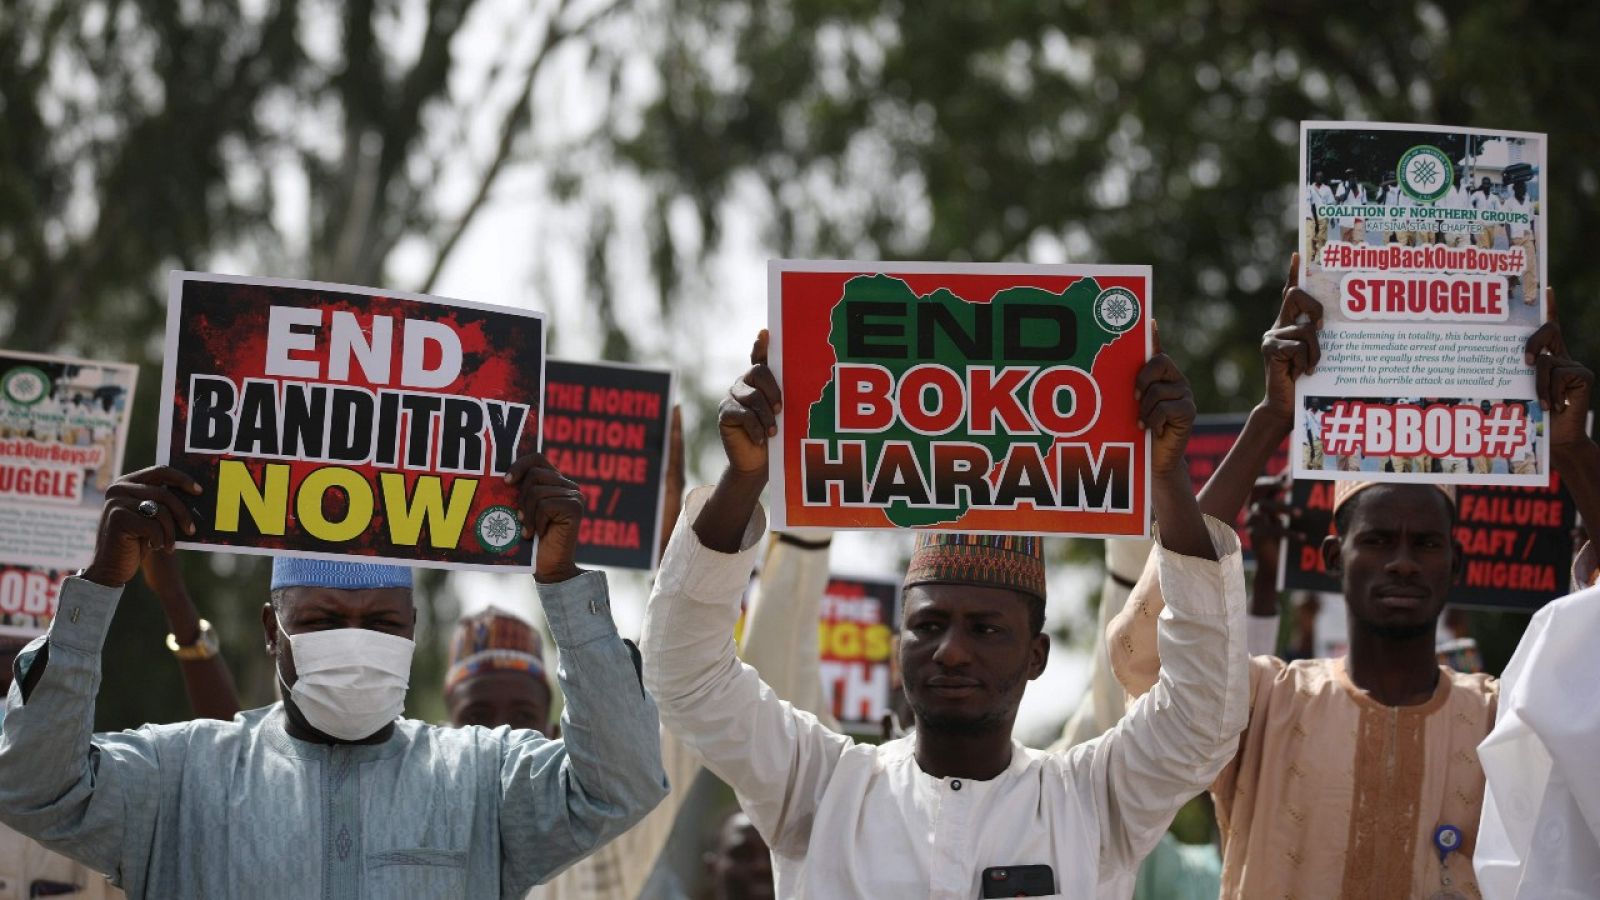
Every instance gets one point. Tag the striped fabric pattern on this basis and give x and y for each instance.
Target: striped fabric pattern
(1014, 561)
(493, 641)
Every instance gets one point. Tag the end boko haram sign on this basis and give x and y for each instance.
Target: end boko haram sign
(995, 398)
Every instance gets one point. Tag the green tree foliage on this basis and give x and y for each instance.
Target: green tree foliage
(286, 137)
(1130, 132)
(1144, 131)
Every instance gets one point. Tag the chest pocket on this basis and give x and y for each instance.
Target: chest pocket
(417, 873)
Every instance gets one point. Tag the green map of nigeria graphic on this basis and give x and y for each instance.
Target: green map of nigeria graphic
(881, 321)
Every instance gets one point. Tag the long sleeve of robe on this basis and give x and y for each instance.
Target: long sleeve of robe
(855, 820)
(1540, 833)
(240, 809)
(780, 641)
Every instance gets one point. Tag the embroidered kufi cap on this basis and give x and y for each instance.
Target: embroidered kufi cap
(493, 641)
(1344, 490)
(1014, 561)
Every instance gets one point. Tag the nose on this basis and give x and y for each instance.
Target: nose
(952, 651)
(1403, 562)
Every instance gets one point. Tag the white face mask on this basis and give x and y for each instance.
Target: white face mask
(352, 681)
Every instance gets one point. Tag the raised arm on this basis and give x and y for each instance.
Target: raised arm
(1289, 350)
(206, 678)
(90, 797)
(1174, 741)
(1565, 389)
(777, 758)
(560, 800)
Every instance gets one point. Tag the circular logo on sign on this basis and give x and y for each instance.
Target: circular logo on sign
(1425, 173)
(25, 385)
(498, 528)
(1116, 310)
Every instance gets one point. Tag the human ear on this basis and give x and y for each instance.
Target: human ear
(1038, 655)
(1331, 559)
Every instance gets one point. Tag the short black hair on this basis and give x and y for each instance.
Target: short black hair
(1342, 515)
(1035, 614)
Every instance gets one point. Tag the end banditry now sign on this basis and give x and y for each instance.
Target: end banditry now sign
(334, 421)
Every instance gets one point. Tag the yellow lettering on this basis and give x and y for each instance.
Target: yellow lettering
(846, 640)
(358, 515)
(426, 505)
(877, 642)
(268, 506)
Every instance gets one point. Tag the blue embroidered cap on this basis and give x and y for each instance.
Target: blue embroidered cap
(292, 571)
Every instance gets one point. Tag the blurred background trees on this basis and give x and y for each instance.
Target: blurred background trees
(665, 147)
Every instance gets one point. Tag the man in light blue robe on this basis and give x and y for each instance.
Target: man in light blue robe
(274, 804)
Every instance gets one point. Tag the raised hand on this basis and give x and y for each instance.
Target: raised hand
(142, 514)
(1564, 385)
(1290, 347)
(551, 508)
(749, 414)
(1166, 410)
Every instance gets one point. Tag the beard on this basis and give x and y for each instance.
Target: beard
(983, 723)
(997, 718)
(1402, 632)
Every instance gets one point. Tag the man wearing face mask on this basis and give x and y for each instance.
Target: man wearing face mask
(329, 794)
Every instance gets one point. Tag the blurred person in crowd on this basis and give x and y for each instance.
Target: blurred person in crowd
(1460, 197)
(1485, 200)
(739, 863)
(1173, 870)
(328, 793)
(1455, 646)
(929, 813)
(1318, 194)
(1522, 236)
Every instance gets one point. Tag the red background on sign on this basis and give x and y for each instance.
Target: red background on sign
(807, 302)
(223, 331)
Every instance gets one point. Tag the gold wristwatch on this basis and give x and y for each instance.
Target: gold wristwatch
(204, 646)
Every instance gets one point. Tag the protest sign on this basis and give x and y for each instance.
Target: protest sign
(346, 422)
(859, 619)
(1209, 442)
(1517, 543)
(1423, 245)
(63, 426)
(606, 427)
(961, 397)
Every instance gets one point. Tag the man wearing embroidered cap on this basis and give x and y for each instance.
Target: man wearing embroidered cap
(928, 814)
(329, 794)
(496, 674)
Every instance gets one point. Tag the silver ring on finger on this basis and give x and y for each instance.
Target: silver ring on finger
(148, 508)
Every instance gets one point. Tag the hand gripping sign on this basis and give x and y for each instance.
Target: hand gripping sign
(346, 422)
(961, 397)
